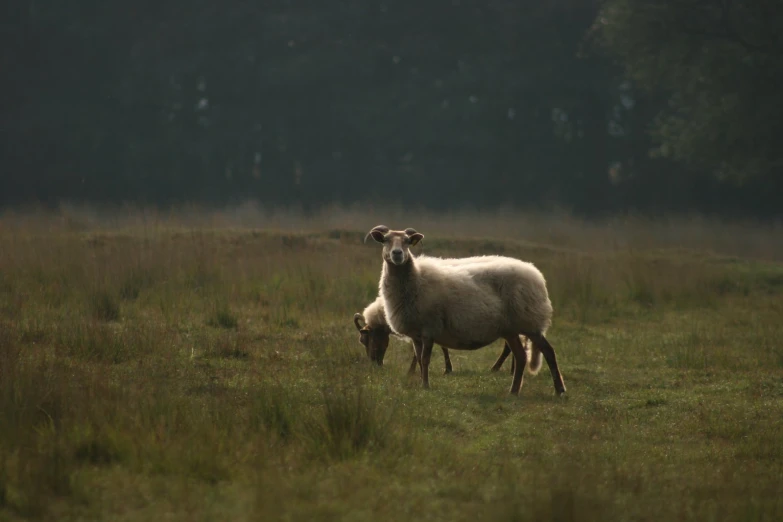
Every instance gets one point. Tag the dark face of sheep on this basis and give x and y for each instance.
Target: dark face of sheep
(396, 243)
(375, 340)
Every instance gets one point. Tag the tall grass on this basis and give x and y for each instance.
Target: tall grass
(188, 366)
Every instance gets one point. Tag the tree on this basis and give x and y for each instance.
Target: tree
(719, 64)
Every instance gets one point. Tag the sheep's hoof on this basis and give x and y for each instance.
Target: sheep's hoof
(447, 371)
(495, 369)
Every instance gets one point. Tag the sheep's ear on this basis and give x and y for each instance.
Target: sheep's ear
(377, 233)
(415, 238)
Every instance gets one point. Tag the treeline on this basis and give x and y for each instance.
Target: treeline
(592, 106)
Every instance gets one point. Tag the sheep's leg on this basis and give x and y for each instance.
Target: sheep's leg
(543, 345)
(513, 364)
(414, 362)
(446, 360)
(502, 358)
(519, 363)
(514, 361)
(416, 354)
(425, 349)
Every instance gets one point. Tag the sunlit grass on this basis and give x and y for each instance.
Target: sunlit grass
(213, 372)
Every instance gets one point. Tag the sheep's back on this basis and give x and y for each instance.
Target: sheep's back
(374, 314)
(452, 306)
(522, 289)
(513, 292)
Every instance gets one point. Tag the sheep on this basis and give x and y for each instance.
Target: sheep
(430, 302)
(381, 338)
(374, 335)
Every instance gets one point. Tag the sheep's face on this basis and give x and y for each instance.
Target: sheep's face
(396, 243)
(375, 340)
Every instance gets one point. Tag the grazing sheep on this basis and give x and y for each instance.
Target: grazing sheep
(430, 302)
(375, 333)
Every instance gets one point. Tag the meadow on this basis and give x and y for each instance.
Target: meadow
(203, 365)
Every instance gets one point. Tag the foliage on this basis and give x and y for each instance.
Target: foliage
(445, 104)
(720, 64)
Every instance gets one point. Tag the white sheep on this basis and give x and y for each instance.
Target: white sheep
(375, 334)
(431, 302)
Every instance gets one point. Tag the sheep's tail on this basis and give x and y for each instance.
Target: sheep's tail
(535, 358)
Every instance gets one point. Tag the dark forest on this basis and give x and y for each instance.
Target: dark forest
(593, 107)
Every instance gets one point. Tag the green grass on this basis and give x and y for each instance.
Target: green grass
(214, 373)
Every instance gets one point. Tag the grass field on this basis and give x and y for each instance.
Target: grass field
(204, 366)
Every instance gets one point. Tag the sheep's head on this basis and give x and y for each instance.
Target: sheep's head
(375, 340)
(396, 243)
